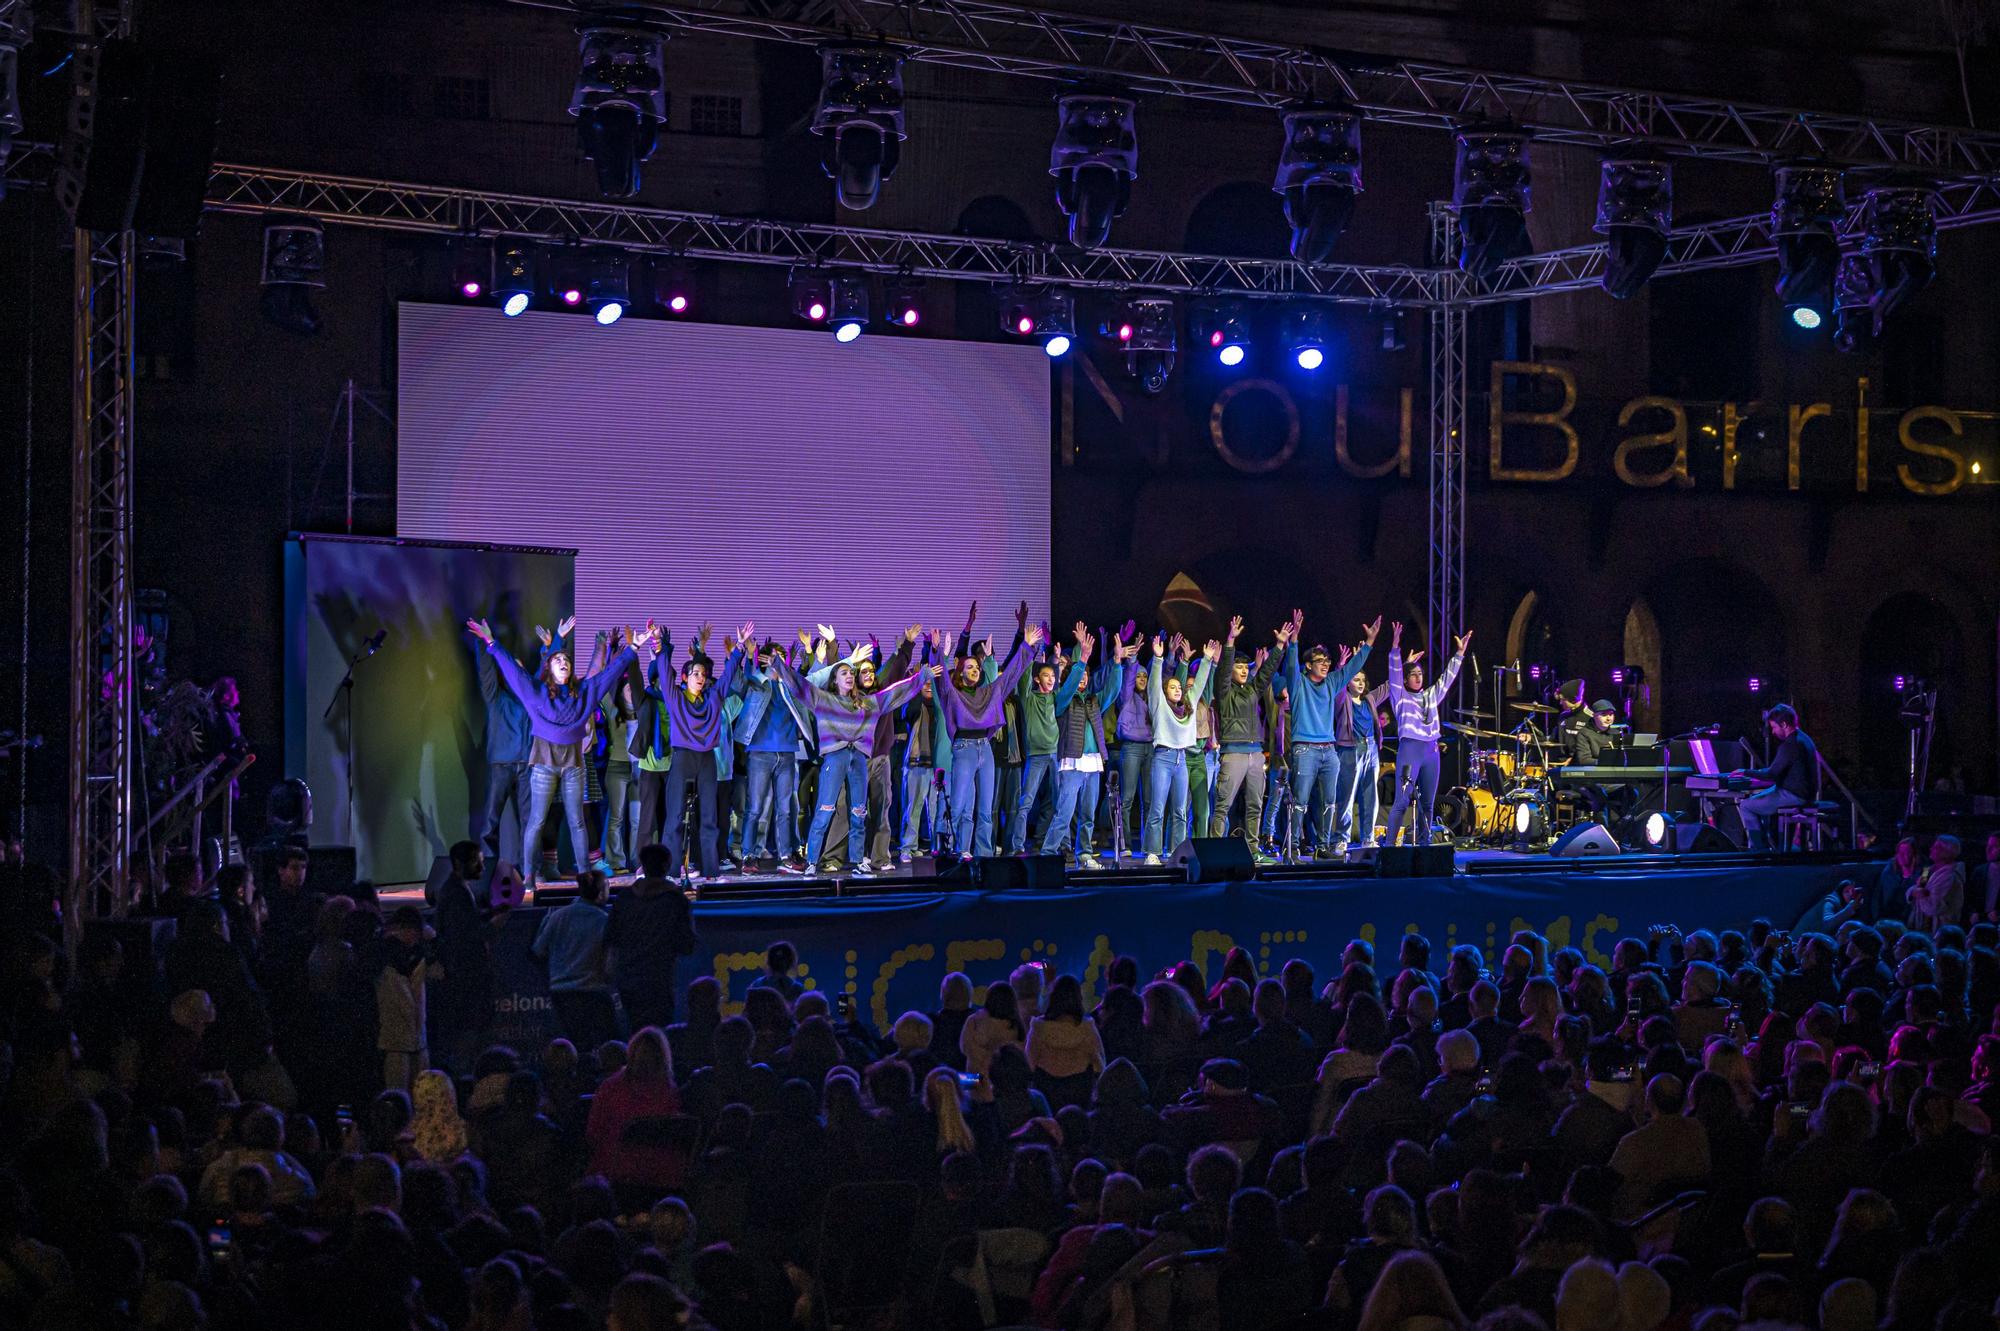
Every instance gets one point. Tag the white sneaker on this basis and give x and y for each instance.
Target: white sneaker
(1090, 862)
(903, 858)
(1152, 861)
(862, 870)
(1340, 847)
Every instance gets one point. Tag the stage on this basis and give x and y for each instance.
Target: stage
(889, 941)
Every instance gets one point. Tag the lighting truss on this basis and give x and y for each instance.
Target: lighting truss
(1041, 42)
(1445, 599)
(437, 210)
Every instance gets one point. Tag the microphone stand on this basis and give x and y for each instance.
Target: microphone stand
(345, 690)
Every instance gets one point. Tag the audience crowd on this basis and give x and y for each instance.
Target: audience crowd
(1768, 1127)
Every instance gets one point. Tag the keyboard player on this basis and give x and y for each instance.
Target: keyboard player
(1792, 776)
(1587, 744)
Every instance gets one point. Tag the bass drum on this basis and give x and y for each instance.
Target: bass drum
(1469, 811)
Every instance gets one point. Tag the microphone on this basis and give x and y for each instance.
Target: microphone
(1475, 665)
(374, 644)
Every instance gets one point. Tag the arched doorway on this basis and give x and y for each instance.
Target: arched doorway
(1915, 637)
(976, 305)
(1642, 649)
(1719, 627)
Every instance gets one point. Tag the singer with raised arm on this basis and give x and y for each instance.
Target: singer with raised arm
(1414, 709)
(1792, 776)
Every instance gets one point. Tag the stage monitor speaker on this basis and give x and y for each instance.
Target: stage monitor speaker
(1018, 873)
(1216, 859)
(1584, 839)
(1701, 839)
(330, 869)
(1415, 862)
(152, 142)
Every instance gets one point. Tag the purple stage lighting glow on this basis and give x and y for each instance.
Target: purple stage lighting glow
(1024, 325)
(1902, 682)
(910, 317)
(470, 289)
(678, 304)
(1618, 675)
(1534, 672)
(1756, 684)
(572, 296)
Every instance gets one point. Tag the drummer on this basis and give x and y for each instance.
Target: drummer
(1574, 716)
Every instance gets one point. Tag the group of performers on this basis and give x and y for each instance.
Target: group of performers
(1103, 743)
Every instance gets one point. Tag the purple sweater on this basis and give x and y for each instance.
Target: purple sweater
(690, 724)
(851, 723)
(560, 719)
(1135, 720)
(977, 713)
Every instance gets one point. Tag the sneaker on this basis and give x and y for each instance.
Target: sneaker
(1090, 862)
(791, 866)
(1260, 859)
(903, 858)
(727, 866)
(862, 870)
(1151, 861)
(1369, 844)
(1340, 848)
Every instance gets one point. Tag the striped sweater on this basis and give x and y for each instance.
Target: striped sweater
(849, 723)
(1416, 714)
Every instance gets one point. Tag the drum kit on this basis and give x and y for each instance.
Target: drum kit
(1510, 796)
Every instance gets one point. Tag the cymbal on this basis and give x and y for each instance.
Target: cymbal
(1483, 716)
(1541, 707)
(1476, 732)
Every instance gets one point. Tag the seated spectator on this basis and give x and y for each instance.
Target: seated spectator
(1230, 1023)
(1064, 1049)
(1389, 1221)
(1666, 1150)
(779, 959)
(1411, 1294)
(260, 1136)
(986, 1031)
(1262, 1280)
(692, 1042)
(1223, 1109)
(1122, 1118)
(1277, 1052)
(625, 1147)
(1457, 1081)
(1385, 1111)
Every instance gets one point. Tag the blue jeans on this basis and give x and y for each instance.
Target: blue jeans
(1039, 768)
(1076, 799)
(1135, 759)
(774, 785)
(972, 796)
(842, 769)
(1277, 780)
(919, 803)
(1314, 769)
(1416, 789)
(1166, 798)
(542, 783)
(1354, 791)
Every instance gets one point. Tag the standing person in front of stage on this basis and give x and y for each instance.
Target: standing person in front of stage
(651, 928)
(1415, 709)
(694, 722)
(849, 724)
(1080, 752)
(1240, 724)
(1792, 773)
(974, 711)
(558, 707)
(1316, 690)
(1357, 750)
(1172, 707)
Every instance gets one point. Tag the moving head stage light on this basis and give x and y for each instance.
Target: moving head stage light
(1095, 159)
(1635, 210)
(1319, 177)
(1805, 222)
(1490, 189)
(620, 103)
(860, 118)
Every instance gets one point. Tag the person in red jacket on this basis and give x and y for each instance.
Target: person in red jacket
(642, 1089)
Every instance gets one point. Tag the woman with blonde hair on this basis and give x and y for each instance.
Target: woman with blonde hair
(642, 1090)
(941, 1099)
(1411, 1295)
(1541, 1008)
(439, 1131)
(1725, 1058)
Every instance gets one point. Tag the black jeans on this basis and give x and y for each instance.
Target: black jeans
(692, 767)
(504, 782)
(586, 1016)
(652, 794)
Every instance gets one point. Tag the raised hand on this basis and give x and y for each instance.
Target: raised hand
(1396, 634)
(701, 636)
(972, 615)
(1079, 633)
(541, 633)
(651, 635)
(1346, 653)
(1463, 639)
(1159, 645)
(1084, 642)
(988, 644)
(1413, 657)
(913, 632)
(1211, 650)
(1032, 634)
(1263, 655)
(1021, 615)
(1235, 627)
(1130, 632)
(805, 637)
(1368, 631)
(479, 629)
(566, 627)
(746, 633)
(826, 631)
(948, 639)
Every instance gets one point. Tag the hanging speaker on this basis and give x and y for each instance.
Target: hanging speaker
(1584, 839)
(150, 142)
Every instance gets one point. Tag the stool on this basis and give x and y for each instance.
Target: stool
(1805, 827)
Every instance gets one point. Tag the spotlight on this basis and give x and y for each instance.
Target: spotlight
(1319, 176)
(812, 295)
(1537, 671)
(1902, 683)
(1899, 241)
(860, 118)
(848, 307)
(1656, 829)
(620, 103)
(1225, 326)
(472, 269)
(1806, 317)
(1805, 222)
(1095, 159)
(1853, 290)
(514, 277)
(294, 267)
(1306, 335)
(1756, 684)
(673, 286)
(1635, 210)
(1490, 188)
(1393, 338)
(1045, 312)
(1145, 327)
(1618, 675)
(901, 303)
(608, 286)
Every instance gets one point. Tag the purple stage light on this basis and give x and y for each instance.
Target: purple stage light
(678, 304)
(1756, 684)
(1618, 675)
(470, 289)
(572, 296)
(1902, 682)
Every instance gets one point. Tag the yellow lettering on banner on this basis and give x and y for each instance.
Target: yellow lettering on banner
(1557, 933)
(898, 959)
(1800, 416)
(1204, 942)
(1861, 435)
(1400, 463)
(1220, 437)
(1603, 924)
(1731, 422)
(730, 963)
(1913, 444)
(1101, 957)
(1677, 436)
(960, 953)
(1501, 418)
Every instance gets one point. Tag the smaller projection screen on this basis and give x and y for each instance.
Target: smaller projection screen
(716, 473)
(411, 732)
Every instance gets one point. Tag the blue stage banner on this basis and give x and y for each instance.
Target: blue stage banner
(891, 952)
